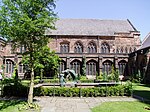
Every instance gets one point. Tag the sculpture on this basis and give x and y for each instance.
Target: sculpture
(62, 80)
(70, 72)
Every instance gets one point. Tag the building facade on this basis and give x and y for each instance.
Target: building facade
(139, 62)
(94, 44)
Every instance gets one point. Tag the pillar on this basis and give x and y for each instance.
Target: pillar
(100, 64)
(67, 62)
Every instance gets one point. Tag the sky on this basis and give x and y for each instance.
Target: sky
(137, 11)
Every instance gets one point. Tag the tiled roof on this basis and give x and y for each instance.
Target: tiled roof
(146, 42)
(91, 27)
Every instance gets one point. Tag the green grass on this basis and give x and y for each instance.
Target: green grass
(122, 107)
(14, 106)
(141, 90)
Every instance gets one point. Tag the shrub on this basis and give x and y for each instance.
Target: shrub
(119, 90)
(87, 81)
(15, 90)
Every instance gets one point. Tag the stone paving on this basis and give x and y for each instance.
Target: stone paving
(74, 104)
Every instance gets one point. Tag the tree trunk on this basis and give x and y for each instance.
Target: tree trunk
(30, 95)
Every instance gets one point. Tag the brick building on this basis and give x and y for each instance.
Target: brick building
(139, 61)
(101, 43)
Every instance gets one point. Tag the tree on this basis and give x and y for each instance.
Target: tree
(45, 60)
(23, 22)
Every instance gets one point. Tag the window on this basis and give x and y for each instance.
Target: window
(107, 65)
(121, 65)
(130, 50)
(78, 48)
(117, 50)
(105, 48)
(91, 68)
(22, 49)
(76, 65)
(91, 48)
(22, 68)
(64, 47)
(9, 66)
(121, 50)
(62, 66)
(126, 50)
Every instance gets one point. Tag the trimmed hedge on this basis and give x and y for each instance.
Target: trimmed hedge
(18, 90)
(121, 90)
(22, 91)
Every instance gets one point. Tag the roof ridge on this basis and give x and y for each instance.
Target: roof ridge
(131, 24)
(92, 19)
(147, 36)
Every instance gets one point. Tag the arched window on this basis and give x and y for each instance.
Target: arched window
(91, 48)
(117, 50)
(126, 50)
(107, 65)
(62, 66)
(76, 66)
(22, 49)
(105, 48)
(64, 47)
(130, 50)
(91, 68)
(9, 66)
(121, 50)
(121, 66)
(78, 48)
(22, 68)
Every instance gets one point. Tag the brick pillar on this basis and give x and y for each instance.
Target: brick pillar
(100, 64)
(67, 62)
(116, 63)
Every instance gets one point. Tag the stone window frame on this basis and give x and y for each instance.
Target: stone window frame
(91, 47)
(105, 48)
(107, 66)
(22, 49)
(62, 66)
(9, 66)
(121, 66)
(78, 47)
(64, 47)
(22, 68)
(76, 66)
(126, 49)
(91, 67)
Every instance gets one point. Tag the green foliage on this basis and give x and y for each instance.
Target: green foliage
(84, 66)
(45, 59)
(24, 22)
(86, 80)
(18, 90)
(105, 76)
(83, 77)
(119, 90)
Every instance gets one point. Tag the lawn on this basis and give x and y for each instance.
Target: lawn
(122, 107)
(141, 90)
(13, 106)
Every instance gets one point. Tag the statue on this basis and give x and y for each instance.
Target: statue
(62, 80)
(70, 72)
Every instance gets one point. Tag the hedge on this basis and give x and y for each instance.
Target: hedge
(21, 91)
(15, 90)
(121, 90)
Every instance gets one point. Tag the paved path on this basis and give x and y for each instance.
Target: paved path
(74, 104)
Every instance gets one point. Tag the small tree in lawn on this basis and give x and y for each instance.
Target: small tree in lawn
(23, 22)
